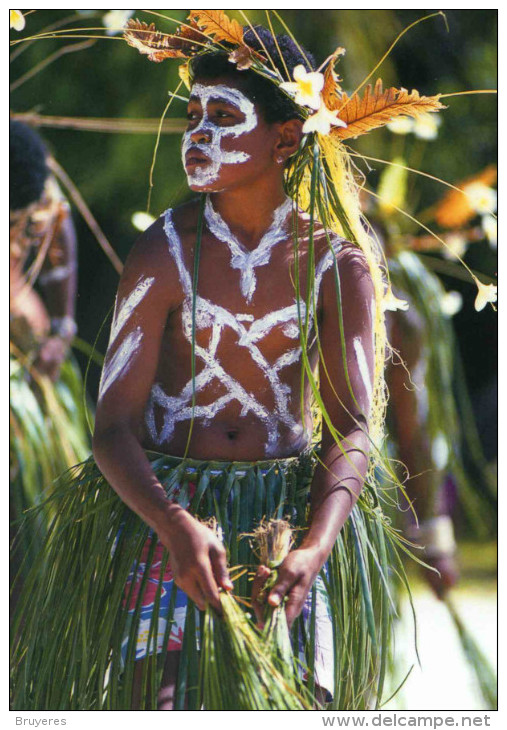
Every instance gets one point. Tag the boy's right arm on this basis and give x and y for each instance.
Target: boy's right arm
(147, 293)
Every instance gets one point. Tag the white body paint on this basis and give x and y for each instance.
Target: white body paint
(58, 273)
(203, 177)
(241, 258)
(119, 363)
(209, 315)
(363, 367)
(127, 306)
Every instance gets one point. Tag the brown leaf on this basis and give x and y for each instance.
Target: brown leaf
(217, 24)
(378, 107)
(242, 57)
(331, 92)
(455, 209)
(150, 42)
(191, 33)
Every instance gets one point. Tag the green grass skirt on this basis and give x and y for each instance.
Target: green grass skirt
(49, 433)
(71, 621)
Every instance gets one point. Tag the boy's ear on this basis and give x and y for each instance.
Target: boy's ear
(291, 133)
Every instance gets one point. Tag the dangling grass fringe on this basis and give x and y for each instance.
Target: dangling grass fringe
(74, 639)
(48, 434)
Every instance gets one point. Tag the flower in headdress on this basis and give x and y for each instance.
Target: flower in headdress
(456, 246)
(322, 121)
(115, 20)
(489, 227)
(401, 125)
(426, 126)
(481, 197)
(392, 304)
(451, 303)
(486, 294)
(16, 20)
(306, 87)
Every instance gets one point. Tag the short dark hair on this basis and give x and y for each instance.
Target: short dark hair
(28, 170)
(275, 105)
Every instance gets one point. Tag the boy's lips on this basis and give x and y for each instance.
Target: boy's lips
(195, 157)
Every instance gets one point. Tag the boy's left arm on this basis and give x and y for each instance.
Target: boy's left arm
(346, 393)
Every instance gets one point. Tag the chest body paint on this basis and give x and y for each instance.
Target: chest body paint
(250, 331)
(241, 258)
(205, 176)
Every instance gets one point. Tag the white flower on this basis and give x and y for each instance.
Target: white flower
(489, 227)
(322, 120)
(481, 197)
(440, 451)
(456, 246)
(16, 20)
(426, 126)
(142, 220)
(391, 303)
(306, 87)
(486, 294)
(115, 20)
(401, 125)
(451, 303)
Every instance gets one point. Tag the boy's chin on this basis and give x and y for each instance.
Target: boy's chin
(214, 187)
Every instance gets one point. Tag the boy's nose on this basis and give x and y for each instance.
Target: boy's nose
(202, 136)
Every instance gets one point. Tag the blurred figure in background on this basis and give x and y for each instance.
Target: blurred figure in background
(49, 432)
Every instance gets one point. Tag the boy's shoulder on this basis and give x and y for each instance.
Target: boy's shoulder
(156, 241)
(326, 241)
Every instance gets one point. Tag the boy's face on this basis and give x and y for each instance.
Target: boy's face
(227, 143)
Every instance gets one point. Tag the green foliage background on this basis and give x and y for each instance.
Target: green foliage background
(111, 79)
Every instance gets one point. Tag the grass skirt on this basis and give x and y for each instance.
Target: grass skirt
(74, 639)
(48, 433)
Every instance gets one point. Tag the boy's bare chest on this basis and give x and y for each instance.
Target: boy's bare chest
(244, 305)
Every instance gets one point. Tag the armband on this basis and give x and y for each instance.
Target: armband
(64, 327)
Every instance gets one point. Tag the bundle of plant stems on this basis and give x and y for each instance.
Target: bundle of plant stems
(273, 541)
(244, 668)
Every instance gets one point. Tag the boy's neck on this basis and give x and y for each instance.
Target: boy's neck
(249, 211)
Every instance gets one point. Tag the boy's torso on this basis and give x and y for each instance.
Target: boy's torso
(247, 349)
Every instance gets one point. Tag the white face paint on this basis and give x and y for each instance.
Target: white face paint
(203, 176)
(249, 332)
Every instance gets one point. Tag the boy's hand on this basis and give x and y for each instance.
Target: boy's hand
(198, 559)
(296, 576)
